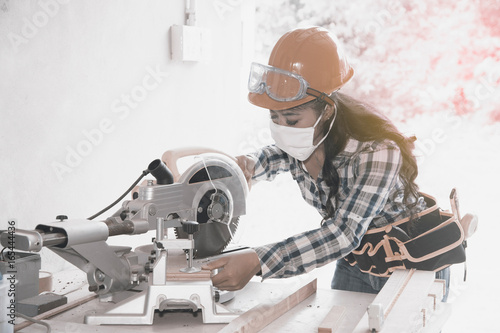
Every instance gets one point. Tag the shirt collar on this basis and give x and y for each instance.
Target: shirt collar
(351, 148)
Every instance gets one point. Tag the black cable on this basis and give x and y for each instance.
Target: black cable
(144, 173)
(236, 249)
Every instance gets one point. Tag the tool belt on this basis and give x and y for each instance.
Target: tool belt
(437, 241)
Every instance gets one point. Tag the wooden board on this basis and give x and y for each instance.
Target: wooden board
(404, 299)
(408, 310)
(176, 260)
(333, 319)
(263, 314)
(203, 275)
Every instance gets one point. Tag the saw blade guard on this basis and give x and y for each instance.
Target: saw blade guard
(219, 170)
(217, 188)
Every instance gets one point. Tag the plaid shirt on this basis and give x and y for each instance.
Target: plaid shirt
(370, 195)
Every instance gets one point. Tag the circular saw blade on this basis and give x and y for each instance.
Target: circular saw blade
(212, 238)
(216, 224)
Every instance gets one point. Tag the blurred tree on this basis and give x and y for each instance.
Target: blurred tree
(410, 57)
(489, 11)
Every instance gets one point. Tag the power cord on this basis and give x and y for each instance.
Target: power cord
(158, 169)
(144, 173)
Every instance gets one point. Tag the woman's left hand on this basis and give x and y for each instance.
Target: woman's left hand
(235, 270)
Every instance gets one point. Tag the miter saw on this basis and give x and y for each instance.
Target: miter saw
(202, 205)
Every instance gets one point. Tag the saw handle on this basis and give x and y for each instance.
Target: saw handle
(170, 157)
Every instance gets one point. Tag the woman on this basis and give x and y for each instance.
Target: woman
(350, 162)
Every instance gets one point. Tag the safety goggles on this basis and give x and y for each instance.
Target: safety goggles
(281, 85)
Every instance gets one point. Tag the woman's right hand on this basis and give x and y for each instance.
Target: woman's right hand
(247, 165)
(234, 270)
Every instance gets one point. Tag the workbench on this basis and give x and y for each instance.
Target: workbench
(305, 317)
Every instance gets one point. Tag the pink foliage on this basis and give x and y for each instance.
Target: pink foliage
(495, 116)
(461, 103)
(489, 11)
(409, 57)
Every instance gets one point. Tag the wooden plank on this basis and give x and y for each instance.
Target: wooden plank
(386, 296)
(263, 314)
(333, 319)
(202, 275)
(176, 260)
(402, 298)
(407, 313)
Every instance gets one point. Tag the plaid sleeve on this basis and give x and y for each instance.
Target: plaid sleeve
(374, 172)
(269, 162)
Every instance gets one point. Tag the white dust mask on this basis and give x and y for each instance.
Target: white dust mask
(297, 142)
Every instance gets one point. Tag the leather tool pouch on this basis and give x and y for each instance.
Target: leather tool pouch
(434, 241)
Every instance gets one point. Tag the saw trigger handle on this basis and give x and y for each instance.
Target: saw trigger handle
(170, 157)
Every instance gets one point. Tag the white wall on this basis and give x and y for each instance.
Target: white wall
(89, 95)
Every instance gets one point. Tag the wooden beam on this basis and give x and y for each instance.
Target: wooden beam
(407, 312)
(265, 313)
(177, 260)
(407, 301)
(333, 319)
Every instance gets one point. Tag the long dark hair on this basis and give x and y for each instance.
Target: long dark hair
(364, 123)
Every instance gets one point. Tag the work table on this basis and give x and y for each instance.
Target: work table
(410, 301)
(305, 317)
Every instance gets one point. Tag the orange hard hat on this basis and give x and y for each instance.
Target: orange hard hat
(312, 54)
